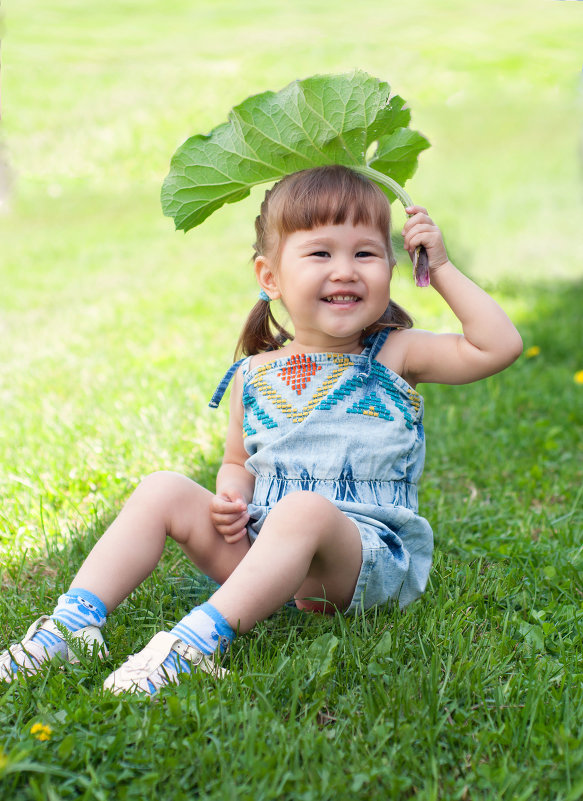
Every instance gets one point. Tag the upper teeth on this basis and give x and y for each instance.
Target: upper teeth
(341, 297)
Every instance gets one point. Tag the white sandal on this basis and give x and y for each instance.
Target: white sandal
(145, 670)
(31, 656)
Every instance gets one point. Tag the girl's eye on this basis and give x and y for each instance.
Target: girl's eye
(364, 254)
(320, 253)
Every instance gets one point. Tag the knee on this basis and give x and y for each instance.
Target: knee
(308, 512)
(164, 493)
(304, 503)
(159, 484)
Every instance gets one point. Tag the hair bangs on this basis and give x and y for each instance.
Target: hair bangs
(332, 196)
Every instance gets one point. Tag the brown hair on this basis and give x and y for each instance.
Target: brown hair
(329, 195)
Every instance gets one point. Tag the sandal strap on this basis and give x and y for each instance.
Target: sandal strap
(147, 665)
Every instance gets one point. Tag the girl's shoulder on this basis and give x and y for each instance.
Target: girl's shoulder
(264, 358)
(395, 350)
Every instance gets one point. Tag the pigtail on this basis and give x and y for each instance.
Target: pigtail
(395, 316)
(400, 318)
(258, 334)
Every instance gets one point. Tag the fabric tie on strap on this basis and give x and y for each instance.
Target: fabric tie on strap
(376, 343)
(222, 387)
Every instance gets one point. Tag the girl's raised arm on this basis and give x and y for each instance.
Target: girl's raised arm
(489, 342)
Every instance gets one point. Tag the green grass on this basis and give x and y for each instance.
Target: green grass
(114, 331)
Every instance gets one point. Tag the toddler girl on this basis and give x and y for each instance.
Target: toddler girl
(316, 498)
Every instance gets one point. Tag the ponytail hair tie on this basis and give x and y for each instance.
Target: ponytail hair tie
(264, 296)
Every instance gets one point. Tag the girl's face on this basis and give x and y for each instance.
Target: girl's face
(333, 281)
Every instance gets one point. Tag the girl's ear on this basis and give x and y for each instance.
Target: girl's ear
(266, 277)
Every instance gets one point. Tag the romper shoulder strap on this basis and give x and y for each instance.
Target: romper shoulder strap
(378, 340)
(374, 344)
(224, 383)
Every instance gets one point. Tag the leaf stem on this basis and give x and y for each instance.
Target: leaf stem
(379, 178)
(420, 264)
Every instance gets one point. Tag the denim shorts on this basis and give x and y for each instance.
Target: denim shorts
(381, 580)
(397, 547)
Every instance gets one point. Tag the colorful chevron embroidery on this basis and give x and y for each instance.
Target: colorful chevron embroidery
(372, 406)
(341, 392)
(414, 399)
(248, 430)
(298, 380)
(298, 371)
(251, 403)
(393, 392)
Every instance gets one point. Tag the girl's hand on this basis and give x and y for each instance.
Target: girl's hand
(421, 230)
(229, 515)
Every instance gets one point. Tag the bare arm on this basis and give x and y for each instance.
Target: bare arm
(489, 342)
(235, 484)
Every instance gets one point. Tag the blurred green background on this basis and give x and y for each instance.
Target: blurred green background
(114, 329)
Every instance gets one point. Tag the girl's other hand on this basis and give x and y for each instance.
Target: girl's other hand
(229, 515)
(421, 230)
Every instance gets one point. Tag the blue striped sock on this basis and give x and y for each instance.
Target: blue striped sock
(204, 628)
(75, 609)
(79, 608)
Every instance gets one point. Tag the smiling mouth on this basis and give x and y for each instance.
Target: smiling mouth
(341, 299)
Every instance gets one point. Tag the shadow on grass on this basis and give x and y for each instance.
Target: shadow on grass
(504, 470)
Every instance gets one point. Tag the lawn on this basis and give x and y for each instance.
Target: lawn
(115, 330)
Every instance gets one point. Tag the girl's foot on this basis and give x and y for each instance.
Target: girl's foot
(42, 642)
(78, 616)
(160, 663)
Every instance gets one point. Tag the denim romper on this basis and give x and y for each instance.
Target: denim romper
(350, 429)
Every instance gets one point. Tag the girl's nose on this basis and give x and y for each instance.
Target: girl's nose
(343, 269)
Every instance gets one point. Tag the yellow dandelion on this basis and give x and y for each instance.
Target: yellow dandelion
(531, 352)
(578, 377)
(41, 731)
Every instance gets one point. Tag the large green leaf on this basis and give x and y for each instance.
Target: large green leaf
(325, 119)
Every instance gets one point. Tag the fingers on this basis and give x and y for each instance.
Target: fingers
(417, 215)
(231, 538)
(230, 521)
(227, 524)
(231, 532)
(419, 230)
(418, 223)
(232, 497)
(229, 517)
(426, 235)
(411, 210)
(222, 505)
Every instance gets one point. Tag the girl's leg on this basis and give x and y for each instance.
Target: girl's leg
(164, 505)
(307, 548)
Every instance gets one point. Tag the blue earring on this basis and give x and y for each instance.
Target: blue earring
(264, 296)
